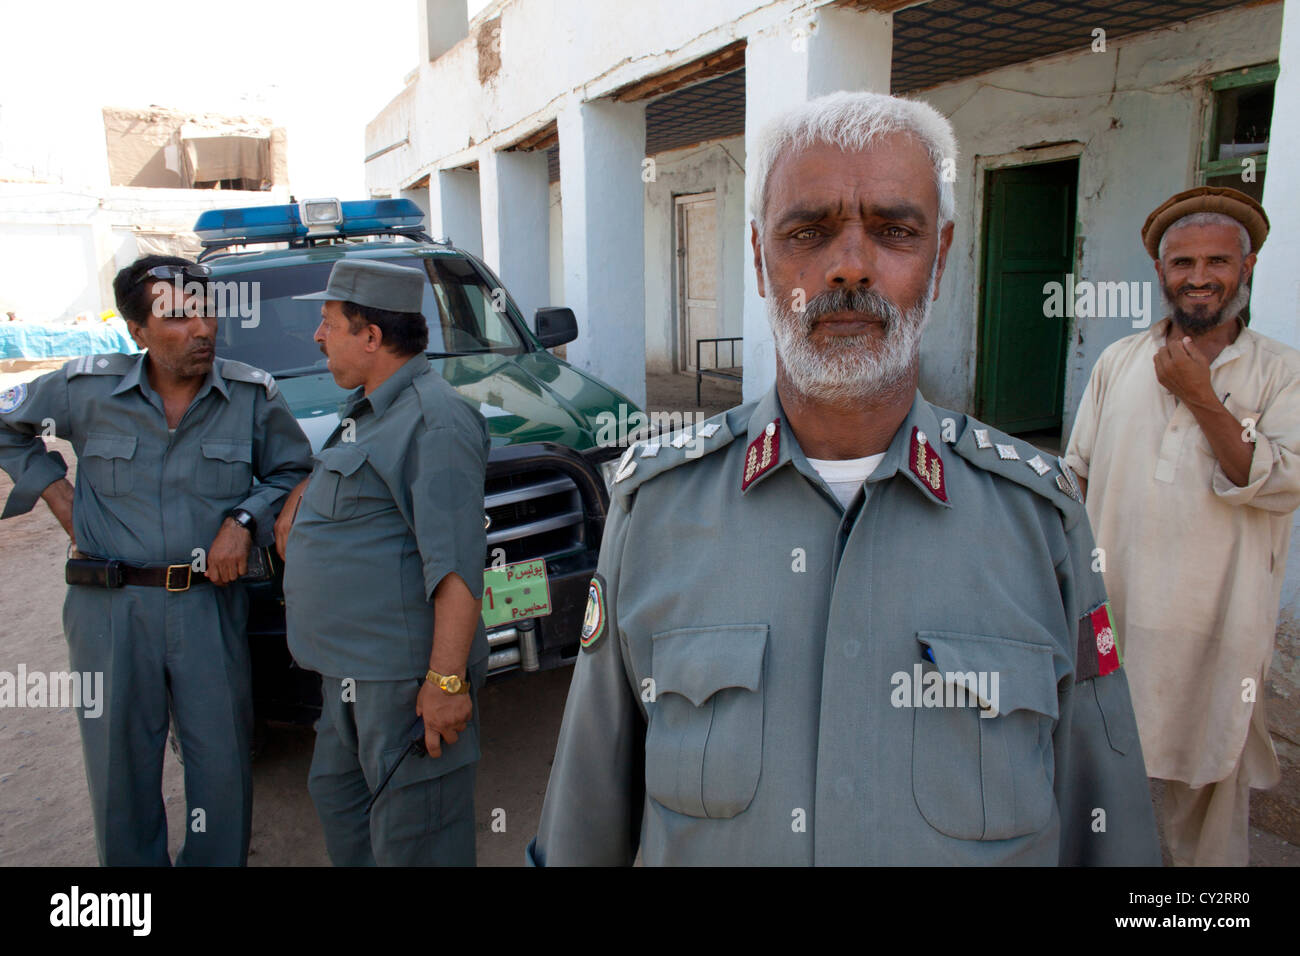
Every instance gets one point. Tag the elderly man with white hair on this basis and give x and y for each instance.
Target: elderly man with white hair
(1188, 444)
(840, 625)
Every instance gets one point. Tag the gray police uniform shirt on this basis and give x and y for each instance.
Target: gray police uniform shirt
(394, 504)
(144, 495)
(764, 672)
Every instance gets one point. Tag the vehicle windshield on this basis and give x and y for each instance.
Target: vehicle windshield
(276, 335)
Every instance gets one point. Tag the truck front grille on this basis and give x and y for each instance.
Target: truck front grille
(534, 514)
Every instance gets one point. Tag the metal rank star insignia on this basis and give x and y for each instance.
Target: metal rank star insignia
(709, 430)
(1008, 452)
(1066, 481)
(625, 465)
(926, 464)
(982, 438)
(1040, 467)
(762, 454)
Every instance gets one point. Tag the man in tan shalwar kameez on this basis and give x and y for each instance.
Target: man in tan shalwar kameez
(1187, 442)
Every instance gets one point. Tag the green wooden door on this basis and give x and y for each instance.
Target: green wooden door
(1028, 242)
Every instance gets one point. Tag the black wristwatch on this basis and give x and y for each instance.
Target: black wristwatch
(244, 519)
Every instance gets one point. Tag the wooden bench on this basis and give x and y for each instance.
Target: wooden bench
(731, 373)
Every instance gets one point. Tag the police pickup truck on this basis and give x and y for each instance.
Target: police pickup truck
(547, 478)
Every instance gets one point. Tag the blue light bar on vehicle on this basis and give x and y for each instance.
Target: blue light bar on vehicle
(365, 217)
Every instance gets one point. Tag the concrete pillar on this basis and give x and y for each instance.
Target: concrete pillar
(515, 201)
(1275, 312)
(454, 209)
(420, 196)
(832, 49)
(603, 145)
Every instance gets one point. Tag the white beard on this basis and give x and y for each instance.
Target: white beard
(852, 367)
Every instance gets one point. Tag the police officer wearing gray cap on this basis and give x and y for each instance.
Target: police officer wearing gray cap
(183, 460)
(839, 624)
(383, 582)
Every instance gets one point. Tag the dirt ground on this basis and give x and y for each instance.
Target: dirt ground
(44, 807)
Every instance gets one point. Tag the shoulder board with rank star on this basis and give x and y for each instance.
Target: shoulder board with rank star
(646, 459)
(763, 452)
(239, 372)
(925, 463)
(1067, 481)
(1098, 651)
(114, 363)
(1017, 461)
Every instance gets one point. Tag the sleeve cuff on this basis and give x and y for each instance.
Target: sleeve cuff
(1261, 466)
(473, 578)
(43, 471)
(1077, 464)
(261, 505)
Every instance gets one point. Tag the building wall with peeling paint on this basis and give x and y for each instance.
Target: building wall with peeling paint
(1133, 116)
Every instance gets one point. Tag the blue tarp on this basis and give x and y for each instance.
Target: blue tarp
(27, 340)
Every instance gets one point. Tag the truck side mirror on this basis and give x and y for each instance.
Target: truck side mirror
(555, 326)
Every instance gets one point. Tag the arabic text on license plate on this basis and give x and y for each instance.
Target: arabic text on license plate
(515, 591)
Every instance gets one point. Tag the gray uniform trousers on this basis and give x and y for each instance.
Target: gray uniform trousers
(425, 816)
(180, 653)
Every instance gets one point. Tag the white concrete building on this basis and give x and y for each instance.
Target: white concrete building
(594, 153)
(82, 196)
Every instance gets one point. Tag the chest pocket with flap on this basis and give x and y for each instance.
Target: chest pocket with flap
(704, 745)
(106, 462)
(225, 468)
(986, 778)
(338, 488)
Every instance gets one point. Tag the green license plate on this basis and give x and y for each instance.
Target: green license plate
(515, 591)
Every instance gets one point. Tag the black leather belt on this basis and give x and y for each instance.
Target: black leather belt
(97, 572)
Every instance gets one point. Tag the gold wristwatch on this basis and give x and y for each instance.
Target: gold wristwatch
(450, 684)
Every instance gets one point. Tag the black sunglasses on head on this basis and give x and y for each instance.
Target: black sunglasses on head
(168, 272)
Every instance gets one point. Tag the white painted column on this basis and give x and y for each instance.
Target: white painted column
(1275, 288)
(602, 145)
(454, 209)
(420, 196)
(515, 204)
(821, 52)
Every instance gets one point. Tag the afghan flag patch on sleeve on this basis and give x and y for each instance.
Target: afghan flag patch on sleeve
(1098, 650)
(594, 621)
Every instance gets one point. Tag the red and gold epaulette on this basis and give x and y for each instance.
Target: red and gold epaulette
(925, 463)
(762, 454)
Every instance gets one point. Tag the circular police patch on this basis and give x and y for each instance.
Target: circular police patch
(11, 398)
(593, 622)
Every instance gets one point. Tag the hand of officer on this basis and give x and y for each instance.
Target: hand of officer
(289, 511)
(445, 716)
(59, 497)
(1181, 368)
(228, 554)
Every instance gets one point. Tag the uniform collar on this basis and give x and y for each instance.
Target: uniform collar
(770, 441)
(917, 453)
(772, 444)
(136, 377)
(391, 387)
